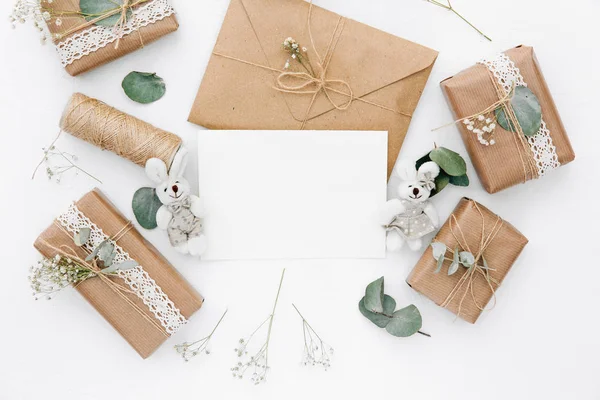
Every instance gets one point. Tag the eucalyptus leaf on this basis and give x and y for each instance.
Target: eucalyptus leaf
(440, 264)
(94, 253)
(144, 87)
(462, 180)
(80, 238)
(125, 265)
(453, 268)
(527, 109)
(379, 319)
(145, 205)
(451, 162)
(441, 181)
(422, 161)
(439, 250)
(374, 296)
(92, 9)
(109, 260)
(467, 259)
(106, 251)
(110, 269)
(485, 264)
(405, 322)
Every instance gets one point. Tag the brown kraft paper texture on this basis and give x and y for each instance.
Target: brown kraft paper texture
(128, 44)
(378, 67)
(500, 255)
(471, 91)
(142, 335)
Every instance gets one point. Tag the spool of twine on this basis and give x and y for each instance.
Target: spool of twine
(110, 129)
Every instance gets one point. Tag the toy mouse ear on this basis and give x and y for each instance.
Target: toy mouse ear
(429, 168)
(179, 162)
(156, 170)
(406, 170)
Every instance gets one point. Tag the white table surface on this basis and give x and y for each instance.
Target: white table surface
(540, 342)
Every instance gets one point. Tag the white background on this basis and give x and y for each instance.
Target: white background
(541, 341)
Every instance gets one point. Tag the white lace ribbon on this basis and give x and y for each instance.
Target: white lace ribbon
(542, 148)
(138, 280)
(96, 37)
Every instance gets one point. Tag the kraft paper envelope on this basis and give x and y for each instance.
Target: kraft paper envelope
(386, 73)
(293, 194)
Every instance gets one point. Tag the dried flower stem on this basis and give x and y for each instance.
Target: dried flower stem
(189, 350)
(450, 8)
(259, 362)
(316, 351)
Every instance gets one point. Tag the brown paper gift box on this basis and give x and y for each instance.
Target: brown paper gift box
(128, 44)
(379, 67)
(500, 255)
(471, 91)
(143, 336)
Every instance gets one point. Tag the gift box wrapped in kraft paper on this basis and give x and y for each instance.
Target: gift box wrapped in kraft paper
(84, 44)
(333, 74)
(486, 248)
(146, 304)
(508, 90)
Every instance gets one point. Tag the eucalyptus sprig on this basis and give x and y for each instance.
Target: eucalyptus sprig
(257, 362)
(464, 258)
(450, 8)
(379, 308)
(190, 350)
(316, 351)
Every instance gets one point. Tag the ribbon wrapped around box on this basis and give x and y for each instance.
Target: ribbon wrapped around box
(495, 245)
(362, 78)
(146, 304)
(512, 157)
(83, 45)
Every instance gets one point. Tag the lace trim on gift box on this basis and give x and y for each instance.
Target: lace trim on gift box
(542, 147)
(96, 37)
(138, 280)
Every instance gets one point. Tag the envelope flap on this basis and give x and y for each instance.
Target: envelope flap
(366, 58)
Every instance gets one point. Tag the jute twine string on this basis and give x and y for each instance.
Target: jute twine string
(469, 276)
(119, 26)
(310, 84)
(120, 290)
(110, 129)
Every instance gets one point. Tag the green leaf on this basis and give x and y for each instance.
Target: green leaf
(106, 251)
(451, 162)
(145, 205)
(440, 264)
(381, 320)
(374, 296)
(94, 253)
(422, 161)
(144, 87)
(125, 265)
(462, 180)
(527, 109)
(92, 9)
(80, 238)
(467, 259)
(441, 181)
(453, 268)
(110, 269)
(438, 249)
(405, 322)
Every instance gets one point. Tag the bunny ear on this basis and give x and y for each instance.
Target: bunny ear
(429, 168)
(179, 162)
(406, 170)
(156, 170)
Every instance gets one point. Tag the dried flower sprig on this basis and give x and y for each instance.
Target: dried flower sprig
(258, 363)
(51, 275)
(316, 351)
(450, 8)
(58, 162)
(190, 350)
(297, 53)
(483, 125)
(28, 10)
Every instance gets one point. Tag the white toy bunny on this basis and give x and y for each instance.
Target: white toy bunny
(181, 213)
(411, 217)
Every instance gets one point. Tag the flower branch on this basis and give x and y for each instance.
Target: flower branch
(450, 8)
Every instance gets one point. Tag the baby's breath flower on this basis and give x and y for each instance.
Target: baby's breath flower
(298, 53)
(483, 126)
(51, 275)
(31, 10)
(189, 350)
(316, 351)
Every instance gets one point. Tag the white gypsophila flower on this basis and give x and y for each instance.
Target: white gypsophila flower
(189, 350)
(316, 351)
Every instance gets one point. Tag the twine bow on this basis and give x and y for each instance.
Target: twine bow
(476, 269)
(120, 290)
(315, 84)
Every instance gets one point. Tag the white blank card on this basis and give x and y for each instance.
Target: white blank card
(293, 194)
